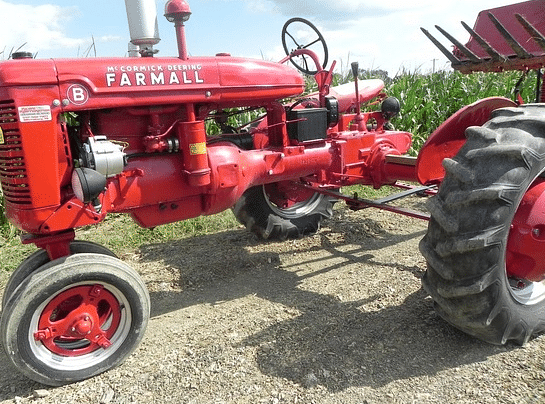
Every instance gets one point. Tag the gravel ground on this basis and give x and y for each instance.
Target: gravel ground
(338, 317)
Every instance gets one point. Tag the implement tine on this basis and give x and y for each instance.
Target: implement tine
(519, 50)
(496, 56)
(470, 55)
(534, 33)
(453, 59)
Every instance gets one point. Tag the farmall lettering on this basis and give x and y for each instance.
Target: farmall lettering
(153, 75)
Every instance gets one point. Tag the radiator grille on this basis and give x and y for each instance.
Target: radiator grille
(13, 172)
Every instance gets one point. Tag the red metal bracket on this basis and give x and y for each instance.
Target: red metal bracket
(56, 245)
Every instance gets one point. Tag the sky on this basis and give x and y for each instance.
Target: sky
(379, 35)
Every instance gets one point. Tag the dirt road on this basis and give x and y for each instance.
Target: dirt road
(338, 317)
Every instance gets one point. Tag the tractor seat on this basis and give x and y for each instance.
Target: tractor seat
(346, 93)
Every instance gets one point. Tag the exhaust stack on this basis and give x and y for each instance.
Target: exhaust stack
(143, 26)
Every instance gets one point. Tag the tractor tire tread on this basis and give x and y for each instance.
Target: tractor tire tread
(471, 217)
(255, 213)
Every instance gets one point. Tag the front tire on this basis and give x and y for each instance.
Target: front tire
(74, 318)
(474, 273)
(40, 257)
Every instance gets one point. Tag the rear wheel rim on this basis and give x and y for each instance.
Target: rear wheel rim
(295, 208)
(525, 260)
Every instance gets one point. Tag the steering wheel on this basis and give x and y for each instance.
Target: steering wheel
(303, 31)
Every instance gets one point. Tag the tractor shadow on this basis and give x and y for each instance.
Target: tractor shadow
(12, 383)
(330, 342)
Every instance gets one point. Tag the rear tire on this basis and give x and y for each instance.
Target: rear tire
(74, 318)
(466, 243)
(257, 210)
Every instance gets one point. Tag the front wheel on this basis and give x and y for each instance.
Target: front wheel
(40, 257)
(486, 240)
(74, 318)
(282, 210)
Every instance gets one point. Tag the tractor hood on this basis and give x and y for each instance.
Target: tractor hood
(113, 82)
(27, 72)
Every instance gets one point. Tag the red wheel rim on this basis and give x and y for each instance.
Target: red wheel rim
(525, 258)
(79, 320)
(286, 194)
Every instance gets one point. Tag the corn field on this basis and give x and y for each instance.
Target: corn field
(426, 101)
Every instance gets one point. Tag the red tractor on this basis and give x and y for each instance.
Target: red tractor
(81, 138)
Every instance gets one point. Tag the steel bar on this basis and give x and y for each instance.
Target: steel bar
(470, 55)
(403, 194)
(539, 76)
(494, 54)
(453, 59)
(542, 90)
(517, 48)
(534, 33)
(513, 63)
(356, 203)
(431, 191)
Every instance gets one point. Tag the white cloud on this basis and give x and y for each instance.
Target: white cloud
(384, 35)
(109, 38)
(339, 11)
(41, 27)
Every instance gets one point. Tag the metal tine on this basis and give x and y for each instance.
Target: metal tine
(494, 54)
(453, 59)
(519, 50)
(534, 33)
(471, 56)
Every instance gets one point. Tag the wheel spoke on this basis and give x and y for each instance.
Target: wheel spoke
(311, 43)
(293, 39)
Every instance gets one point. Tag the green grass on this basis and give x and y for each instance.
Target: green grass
(7, 231)
(120, 233)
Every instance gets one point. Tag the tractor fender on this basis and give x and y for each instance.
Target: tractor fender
(449, 137)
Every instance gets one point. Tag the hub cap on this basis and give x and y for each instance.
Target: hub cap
(80, 326)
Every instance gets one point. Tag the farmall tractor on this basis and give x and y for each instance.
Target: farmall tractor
(81, 138)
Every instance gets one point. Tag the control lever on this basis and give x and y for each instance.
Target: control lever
(359, 116)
